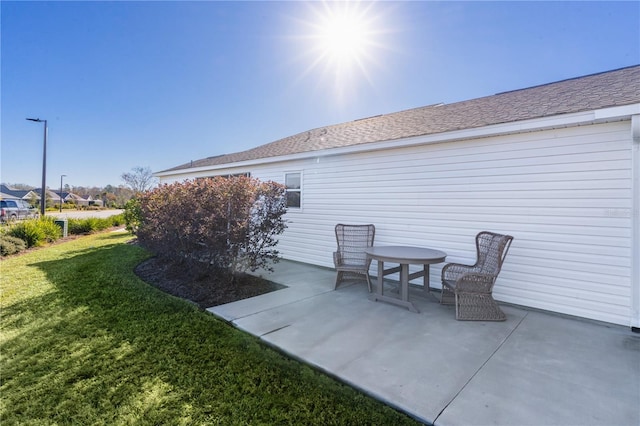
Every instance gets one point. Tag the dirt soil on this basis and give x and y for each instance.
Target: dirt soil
(205, 292)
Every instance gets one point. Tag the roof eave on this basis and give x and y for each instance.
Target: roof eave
(616, 113)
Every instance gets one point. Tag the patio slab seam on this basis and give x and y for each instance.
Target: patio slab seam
(463, 387)
(275, 330)
(214, 309)
(348, 382)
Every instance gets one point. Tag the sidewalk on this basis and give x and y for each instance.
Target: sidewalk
(533, 369)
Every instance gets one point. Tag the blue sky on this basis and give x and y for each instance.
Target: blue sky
(157, 84)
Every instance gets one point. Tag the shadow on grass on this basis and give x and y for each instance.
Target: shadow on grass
(104, 347)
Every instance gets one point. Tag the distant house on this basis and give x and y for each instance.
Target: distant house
(557, 166)
(5, 196)
(8, 192)
(51, 195)
(90, 201)
(68, 197)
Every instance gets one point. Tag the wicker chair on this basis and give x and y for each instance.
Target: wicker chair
(350, 258)
(469, 287)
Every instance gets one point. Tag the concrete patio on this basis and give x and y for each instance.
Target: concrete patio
(536, 368)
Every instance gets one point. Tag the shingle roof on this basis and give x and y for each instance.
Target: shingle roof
(607, 89)
(17, 193)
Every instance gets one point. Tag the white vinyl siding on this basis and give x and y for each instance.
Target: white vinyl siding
(564, 194)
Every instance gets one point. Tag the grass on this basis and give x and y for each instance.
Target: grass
(84, 341)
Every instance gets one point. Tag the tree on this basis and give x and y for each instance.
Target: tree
(20, 186)
(33, 200)
(139, 179)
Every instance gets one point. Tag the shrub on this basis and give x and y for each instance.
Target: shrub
(79, 226)
(34, 232)
(225, 224)
(11, 245)
(99, 224)
(93, 224)
(67, 205)
(52, 232)
(84, 226)
(132, 215)
(116, 220)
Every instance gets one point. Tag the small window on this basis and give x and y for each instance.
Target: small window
(294, 189)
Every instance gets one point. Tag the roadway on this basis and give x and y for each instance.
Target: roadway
(83, 214)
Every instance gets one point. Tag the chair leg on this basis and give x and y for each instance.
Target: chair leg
(447, 297)
(338, 279)
(478, 307)
(341, 276)
(368, 281)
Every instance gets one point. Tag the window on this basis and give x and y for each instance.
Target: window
(294, 191)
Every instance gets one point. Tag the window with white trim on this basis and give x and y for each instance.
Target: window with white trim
(293, 183)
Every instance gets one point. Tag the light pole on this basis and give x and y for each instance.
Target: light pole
(61, 176)
(43, 199)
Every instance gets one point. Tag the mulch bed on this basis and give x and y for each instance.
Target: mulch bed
(205, 291)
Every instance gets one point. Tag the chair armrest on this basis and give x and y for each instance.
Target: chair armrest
(337, 259)
(452, 271)
(475, 283)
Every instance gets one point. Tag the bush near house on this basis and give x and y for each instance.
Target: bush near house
(221, 224)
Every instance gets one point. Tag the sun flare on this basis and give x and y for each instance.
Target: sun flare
(343, 43)
(343, 35)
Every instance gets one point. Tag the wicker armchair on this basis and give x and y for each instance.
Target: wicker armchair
(350, 258)
(469, 287)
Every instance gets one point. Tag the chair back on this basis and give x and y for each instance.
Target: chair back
(352, 241)
(492, 249)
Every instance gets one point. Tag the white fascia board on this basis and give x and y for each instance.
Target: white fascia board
(557, 121)
(635, 221)
(624, 112)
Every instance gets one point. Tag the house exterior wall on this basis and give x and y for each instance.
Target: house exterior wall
(564, 194)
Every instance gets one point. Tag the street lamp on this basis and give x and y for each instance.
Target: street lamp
(43, 199)
(61, 176)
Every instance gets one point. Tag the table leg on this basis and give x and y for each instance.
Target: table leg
(380, 277)
(403, 300)
(404, 282)
(425, 279)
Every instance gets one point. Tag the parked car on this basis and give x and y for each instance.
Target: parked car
(11, 210)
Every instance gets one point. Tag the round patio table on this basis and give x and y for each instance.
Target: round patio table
(404, 256)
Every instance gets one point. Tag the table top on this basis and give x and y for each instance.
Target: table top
(406, 254)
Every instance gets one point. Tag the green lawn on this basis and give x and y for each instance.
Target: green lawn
(84, 341)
